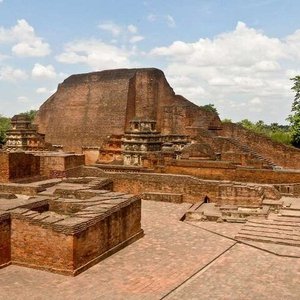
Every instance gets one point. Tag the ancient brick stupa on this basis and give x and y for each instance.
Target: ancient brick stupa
(87, 108)
(23, 135)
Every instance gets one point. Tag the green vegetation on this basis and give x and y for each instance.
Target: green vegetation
(4, 126)
(31, 114)
(278, 133)
(294, 117)
(226, 120)
(210, 107)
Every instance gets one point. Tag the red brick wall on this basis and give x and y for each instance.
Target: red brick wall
(4, 167)
(4, 240)
(192, 189)
(18, 165)
(214, 172)
(56, 165)
(22, 165)
(52, 250)
(106, 234)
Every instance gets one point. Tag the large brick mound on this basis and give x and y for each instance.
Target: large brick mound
(88, 108)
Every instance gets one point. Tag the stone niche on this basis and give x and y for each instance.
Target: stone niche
(70, 228)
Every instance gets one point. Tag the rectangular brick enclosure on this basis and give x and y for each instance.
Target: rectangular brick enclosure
(68, 227)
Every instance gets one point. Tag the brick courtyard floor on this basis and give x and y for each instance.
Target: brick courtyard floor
(174, 260)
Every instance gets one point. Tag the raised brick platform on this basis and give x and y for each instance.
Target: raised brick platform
(67, 235)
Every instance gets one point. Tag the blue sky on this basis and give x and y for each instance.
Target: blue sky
(238, 55)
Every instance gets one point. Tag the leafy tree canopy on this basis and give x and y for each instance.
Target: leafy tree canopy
(4, 126)
(294, 117)
(210, 107)
(31, 114)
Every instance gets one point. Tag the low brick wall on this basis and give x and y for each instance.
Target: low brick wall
(54, 165)
(18, 165)
(163, 197)
(192, 188)
(5, 231)
(40, 247)
(112, 232)
(24, 189)
(4, 167)
(215, 171)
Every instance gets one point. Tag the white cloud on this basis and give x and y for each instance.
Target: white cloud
(124, 35)
(132, 29)
(25, 42)
(136, 38)
(40, 71)
(8, 73)
(235, 68)
(151, 18)
(111, 27)
(94, 53)
(23, 99)
(255, 101)
(42, 90)
(170, 21)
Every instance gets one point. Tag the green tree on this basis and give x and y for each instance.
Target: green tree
(246, 124)
(278, 133)
(4, 126)
(294, 117)
(210, 107)
(31, 114)
(226, 120)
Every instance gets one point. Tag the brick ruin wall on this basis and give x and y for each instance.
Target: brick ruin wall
(28, 238)
(21, 166)
(192, 189)
(18, 165)
(62, 242)
(69, 253)
(282, 155)
(107, 234)
(216, 170)
(5, 231)
(4, 167)
(55, 166)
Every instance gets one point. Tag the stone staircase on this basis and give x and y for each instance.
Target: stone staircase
(282, 228)
(266, 162)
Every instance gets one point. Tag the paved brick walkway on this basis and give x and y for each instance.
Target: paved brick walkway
(245, 273)
(163, 263)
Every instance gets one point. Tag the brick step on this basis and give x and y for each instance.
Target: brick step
(253, 152)
(286, 219)
(267, 240)
(274, 223)
(290, 213)
(279, 236)
(274, 227)
(291, 209)
(271, 231)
